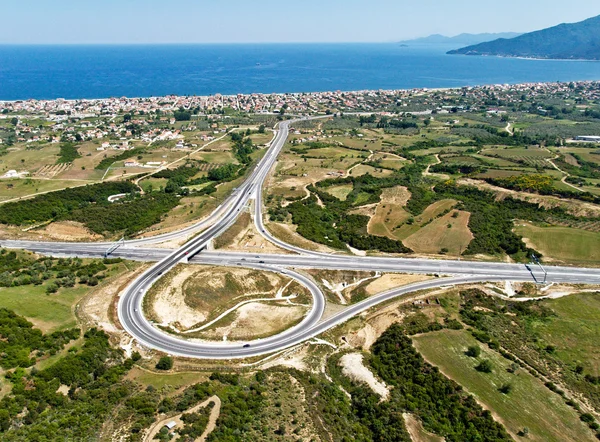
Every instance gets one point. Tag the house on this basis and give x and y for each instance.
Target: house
(131, 164)
(588, 138)
(170, 425)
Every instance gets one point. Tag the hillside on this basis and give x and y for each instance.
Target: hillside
(462, 39)
(566, 41)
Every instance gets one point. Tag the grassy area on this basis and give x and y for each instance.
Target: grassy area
(530, 404)
(563, 243)
(21, 158)
(448, 234)
(363, 169)
(575, 331)
(18, 188)
(50, 312)
(47, 312)
(225, 157)
(340, 192)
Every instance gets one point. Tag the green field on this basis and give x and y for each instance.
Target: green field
(335, 153)
(363, 169)
(340, 192)
(47, 312)
(18, 188)
(50, 312)
(575, 331)
(215, 157)
(446, 232)
(563, 243)
(530, 404)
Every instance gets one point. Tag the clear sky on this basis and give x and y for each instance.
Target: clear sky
(212, 21)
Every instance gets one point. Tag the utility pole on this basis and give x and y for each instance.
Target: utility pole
(537, 261)
(114, 247)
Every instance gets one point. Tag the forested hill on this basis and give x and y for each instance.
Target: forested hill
(566, 41)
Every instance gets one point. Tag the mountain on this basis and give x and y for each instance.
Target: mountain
(462, 39)
(566, 41)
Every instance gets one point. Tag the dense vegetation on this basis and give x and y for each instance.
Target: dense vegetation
(25, 269)
(421, 389)
(565, 41)
(19, 340)
(129, 216)
(60, 204)
(90, 206)
(332, 225)
(68, 153)
(34, 410)
(543, 185)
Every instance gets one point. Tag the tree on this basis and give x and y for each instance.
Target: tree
(473, 351)
(484, 366)
(14, 121)
(505, 388)
(52, 288)
(182, 115)
(165, 363)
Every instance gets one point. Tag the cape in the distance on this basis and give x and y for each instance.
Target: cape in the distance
(567, 41)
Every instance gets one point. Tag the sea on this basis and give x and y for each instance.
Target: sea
(102, 71)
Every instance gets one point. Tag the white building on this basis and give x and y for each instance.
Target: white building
(588, 138)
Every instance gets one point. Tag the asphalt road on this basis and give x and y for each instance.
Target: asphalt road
(130, 302)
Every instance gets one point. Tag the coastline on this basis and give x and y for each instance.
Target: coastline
(521, 57)
(284, 94)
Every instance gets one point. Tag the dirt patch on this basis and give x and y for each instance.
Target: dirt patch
(168, 303)
(294, 358)
(190, 296)
(392, 280)
(69, 231)
(417, 432)
(256, 319)
(96, 308)
(212, 420)
(398, 195)
(390, 212)
(354, 368)
(376, 325)
(368, 210)
(243, 236)
(64, 390)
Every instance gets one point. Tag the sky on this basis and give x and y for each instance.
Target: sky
(260, 21)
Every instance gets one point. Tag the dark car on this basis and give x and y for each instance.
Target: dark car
(247, 346)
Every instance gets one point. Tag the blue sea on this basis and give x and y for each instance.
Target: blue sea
(48, 72)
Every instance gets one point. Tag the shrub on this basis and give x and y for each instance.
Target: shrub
(473, 351)
(484, 366)
(165, 363)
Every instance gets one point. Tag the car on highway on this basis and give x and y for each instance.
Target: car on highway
(246, 345)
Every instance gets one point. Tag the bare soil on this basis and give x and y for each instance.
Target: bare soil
(354, 368)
